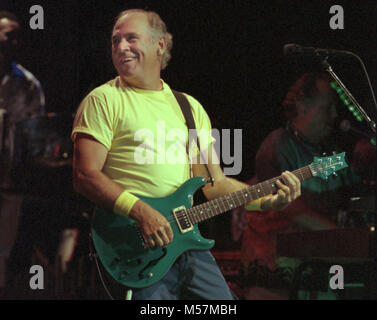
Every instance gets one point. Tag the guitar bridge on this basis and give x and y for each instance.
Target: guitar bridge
(184, 223)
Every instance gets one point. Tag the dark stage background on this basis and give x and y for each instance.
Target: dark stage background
(227, 54)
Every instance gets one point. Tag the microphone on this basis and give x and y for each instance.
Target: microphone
(296, 49)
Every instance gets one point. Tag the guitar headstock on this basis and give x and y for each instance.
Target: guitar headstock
(324, 167)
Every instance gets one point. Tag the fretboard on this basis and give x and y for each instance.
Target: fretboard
(236, 199)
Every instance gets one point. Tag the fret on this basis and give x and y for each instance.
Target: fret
(209, 209)
(253, 192)
(302, 176)
(238, 198)
(197, 215)
(273, 186)
(202, 214)
(212, 207)
(266, 188)
(304, 172)
(246, 195)
(233, 203)
(215, 206)
(229, 202)
(222, 203)
(270, 185)
(204, 211)
(225, 203)
(258, 191)
(252, 196)
(263, 192)
(192, 215)
(308, 172)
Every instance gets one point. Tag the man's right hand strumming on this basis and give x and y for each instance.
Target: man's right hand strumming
(155, 228)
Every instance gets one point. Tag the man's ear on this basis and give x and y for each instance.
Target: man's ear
(161, 46)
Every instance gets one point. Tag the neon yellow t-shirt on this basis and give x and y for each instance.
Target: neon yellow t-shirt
(145, 134)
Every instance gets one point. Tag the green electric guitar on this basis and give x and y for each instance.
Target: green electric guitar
(120, 245)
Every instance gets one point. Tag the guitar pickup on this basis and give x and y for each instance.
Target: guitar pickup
(184, 223)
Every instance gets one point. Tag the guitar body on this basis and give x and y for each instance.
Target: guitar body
(120, 246)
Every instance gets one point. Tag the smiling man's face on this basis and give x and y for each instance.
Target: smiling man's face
(134, 51)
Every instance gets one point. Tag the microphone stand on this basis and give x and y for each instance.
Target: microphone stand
(329, 69)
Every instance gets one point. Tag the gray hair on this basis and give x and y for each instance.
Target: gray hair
(159, 30)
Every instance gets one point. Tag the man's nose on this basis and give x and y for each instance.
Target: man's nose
(123, 45)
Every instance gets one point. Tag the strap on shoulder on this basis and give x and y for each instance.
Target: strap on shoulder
(190, 123)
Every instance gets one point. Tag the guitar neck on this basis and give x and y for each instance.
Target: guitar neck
(236, 199)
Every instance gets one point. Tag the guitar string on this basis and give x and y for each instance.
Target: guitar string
(312, 169)
(223, 200)
(172, 218)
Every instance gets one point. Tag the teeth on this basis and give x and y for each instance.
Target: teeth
(128, 59)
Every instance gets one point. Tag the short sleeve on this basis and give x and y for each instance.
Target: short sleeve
(95, 119)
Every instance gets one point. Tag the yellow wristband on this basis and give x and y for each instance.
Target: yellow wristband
(254, 205)
(124, 203)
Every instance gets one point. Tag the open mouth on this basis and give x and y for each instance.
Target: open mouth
(126, 60)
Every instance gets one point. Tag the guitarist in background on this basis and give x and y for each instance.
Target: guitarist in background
(310, 107)
(21, 98)
(106, 135)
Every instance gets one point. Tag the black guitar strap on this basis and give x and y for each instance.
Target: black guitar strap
(190, 123)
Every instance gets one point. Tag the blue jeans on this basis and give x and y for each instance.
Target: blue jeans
(195, 275)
